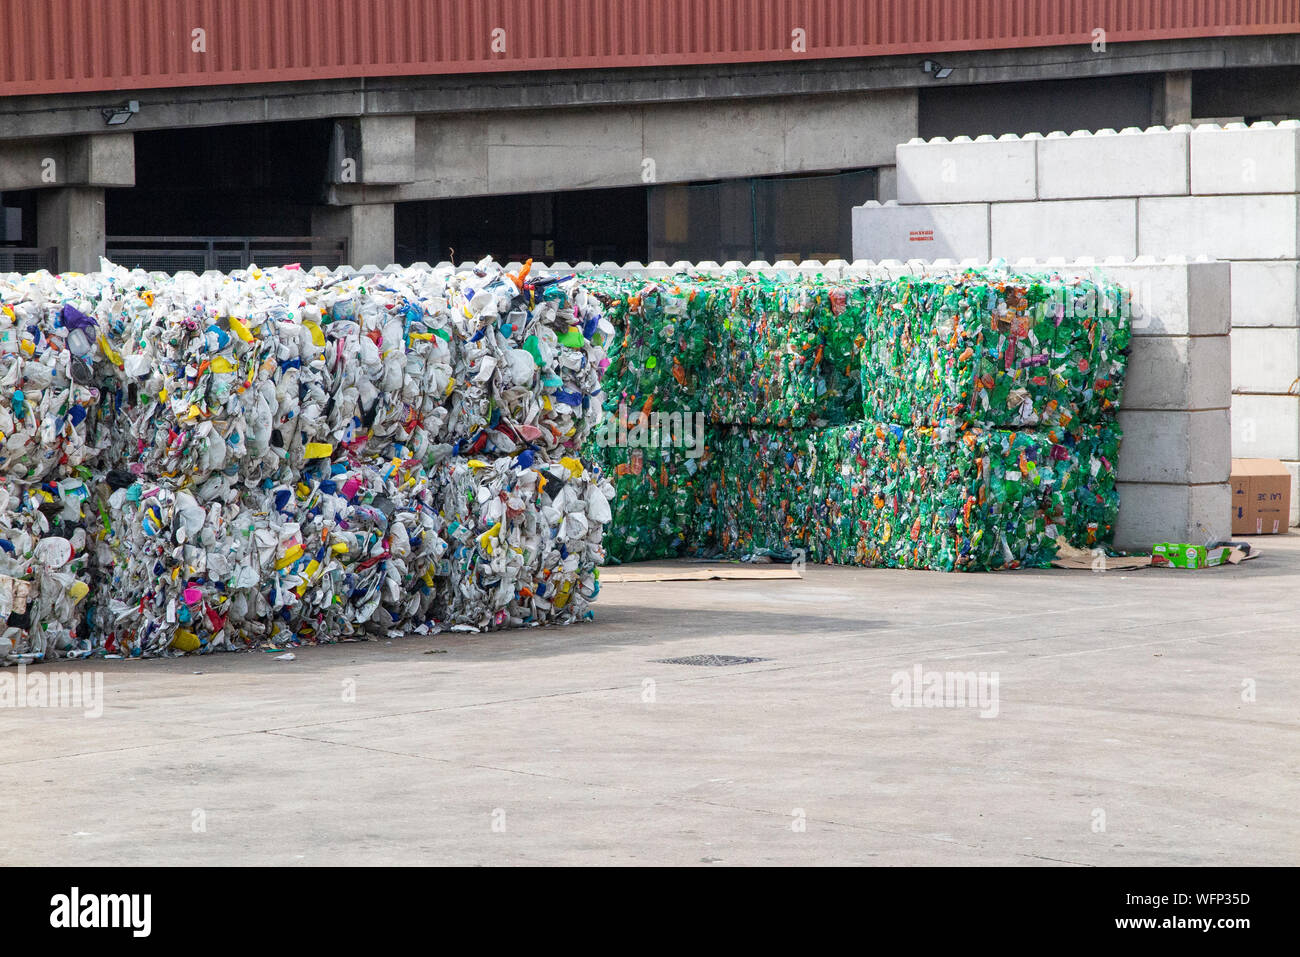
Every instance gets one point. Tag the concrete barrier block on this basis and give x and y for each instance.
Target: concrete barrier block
(1135, 162)
(833, 269)
(1261, 158)
(1223, 227)
(861, 269)
(1266, 427)
(1177, 448)
(1173, 297)
(1178, 372)
(1069, 228)
(1172, 513)
(891, 231)
(966, 171)
(1265, 360)
(1266, 293)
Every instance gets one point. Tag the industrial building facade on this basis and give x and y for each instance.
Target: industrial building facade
(211, 133)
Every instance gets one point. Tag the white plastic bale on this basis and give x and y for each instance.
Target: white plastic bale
(227, 420)
(369, 550)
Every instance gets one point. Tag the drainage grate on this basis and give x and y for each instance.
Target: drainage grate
(713, 661)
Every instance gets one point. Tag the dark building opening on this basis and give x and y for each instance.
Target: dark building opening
(805, 216)
(1041, 107)
(260, 179)
(594, 225)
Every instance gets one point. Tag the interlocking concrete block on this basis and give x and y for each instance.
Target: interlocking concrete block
(1150, 513)
(1222, 227)
(1178, 372)
(1174, 297)
(1266, 293)
(1178, 448)
(1135, 162)
(1070, 228)
(891, 231)
(1265, 360)
(966, 171)
(1266, 427)
(1261, 158)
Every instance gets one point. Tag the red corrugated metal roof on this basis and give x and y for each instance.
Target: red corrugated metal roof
(57, 46)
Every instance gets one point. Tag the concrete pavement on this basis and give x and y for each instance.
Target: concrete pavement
(1124, 733)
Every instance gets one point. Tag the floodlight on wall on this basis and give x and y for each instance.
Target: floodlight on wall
(935, 70)
(117, 115)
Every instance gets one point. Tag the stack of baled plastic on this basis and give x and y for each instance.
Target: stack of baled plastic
(742, 362)
(959, 421)
(990, 430)
(289, 456)
(52, 433)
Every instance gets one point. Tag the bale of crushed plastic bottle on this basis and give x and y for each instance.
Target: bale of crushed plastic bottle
(352, 550)
(665, 493)
(975, 499)
(996, 350)
(269, 369)
(45, 570)
(744, 348)
(763, 493)
(277, 456)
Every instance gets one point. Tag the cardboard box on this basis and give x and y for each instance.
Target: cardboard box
(1261, 497)
(1182, 555)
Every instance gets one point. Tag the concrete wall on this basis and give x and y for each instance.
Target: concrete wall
(1225, 192)
(533, 151)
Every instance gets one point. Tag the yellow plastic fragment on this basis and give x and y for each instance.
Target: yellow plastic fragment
(240, 330)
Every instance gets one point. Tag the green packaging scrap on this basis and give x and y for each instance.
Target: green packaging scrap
(664, 501)
(884, 494)
(995, 351)
(1183, 555)
(960, 422)
(745, 349)
(664, 343)
(763, 493)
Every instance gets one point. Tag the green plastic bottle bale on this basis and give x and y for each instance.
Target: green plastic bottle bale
(838, 491)
(995, 351)
(663, 504)
(746, 349)
(763, 490)
(978, 499)
(959, 423)
(663, 345)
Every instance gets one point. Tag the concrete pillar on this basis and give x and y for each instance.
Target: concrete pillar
(72, 218)
(367, 228)
(1171, 99)
(373, 150)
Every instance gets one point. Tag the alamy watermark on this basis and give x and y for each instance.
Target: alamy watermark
(919, 688)
(653, 430)
(58, 689)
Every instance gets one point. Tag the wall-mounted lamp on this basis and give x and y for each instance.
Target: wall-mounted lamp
(117, 115)
(935, 70)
